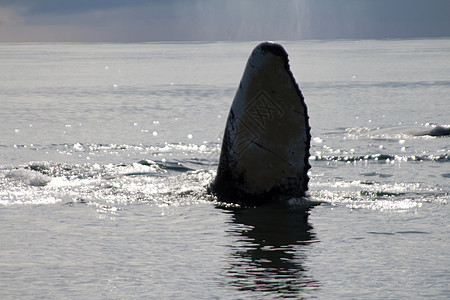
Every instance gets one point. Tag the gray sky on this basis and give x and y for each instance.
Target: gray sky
(214, 20)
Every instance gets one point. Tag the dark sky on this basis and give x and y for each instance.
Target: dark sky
(220, 20)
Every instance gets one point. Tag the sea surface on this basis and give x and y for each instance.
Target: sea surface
(106, 151)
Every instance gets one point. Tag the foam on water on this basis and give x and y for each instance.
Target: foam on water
(184, 179)
(174, 174)
(28, 177)
(122, 184)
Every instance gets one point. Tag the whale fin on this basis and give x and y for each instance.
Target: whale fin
(265, 149)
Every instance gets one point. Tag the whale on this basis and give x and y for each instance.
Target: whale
(434, 130)
(428, 130)
(266, 142)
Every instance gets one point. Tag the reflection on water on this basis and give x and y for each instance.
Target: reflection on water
(269, 248)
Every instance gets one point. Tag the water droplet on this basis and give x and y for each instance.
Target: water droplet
(317, 140)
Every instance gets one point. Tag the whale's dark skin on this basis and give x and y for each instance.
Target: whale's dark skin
(428, 130)
(265, 149)
(435, 131)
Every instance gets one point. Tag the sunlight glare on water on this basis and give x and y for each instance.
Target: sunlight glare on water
(107, 150)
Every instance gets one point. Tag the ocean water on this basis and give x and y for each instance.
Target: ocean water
(106, 151)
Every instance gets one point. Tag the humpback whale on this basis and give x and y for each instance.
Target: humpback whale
(432, 130)
(435, 130)
(265, 147)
